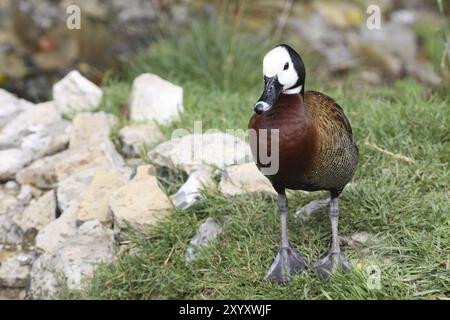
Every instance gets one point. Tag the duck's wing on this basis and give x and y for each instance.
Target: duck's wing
(324, 107)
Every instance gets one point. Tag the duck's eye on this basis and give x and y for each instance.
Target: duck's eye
(286, 66)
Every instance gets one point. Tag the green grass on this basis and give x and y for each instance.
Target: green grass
(404, 206)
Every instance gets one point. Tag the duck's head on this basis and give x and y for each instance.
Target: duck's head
(284, 72)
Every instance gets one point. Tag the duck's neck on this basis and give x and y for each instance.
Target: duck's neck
(295, 90)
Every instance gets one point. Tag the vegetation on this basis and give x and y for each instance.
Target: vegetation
(404, 205)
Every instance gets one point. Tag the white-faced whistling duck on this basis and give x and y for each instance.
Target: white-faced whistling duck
(316, 152)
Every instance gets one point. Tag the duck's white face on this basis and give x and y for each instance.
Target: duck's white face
(277, 62)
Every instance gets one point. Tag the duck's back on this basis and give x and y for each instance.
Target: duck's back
(336, 154)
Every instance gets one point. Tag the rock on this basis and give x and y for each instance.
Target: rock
(74, 94)
(13, 274)
(45, 173)
(12, 187)
(208, 232)
(10, 107)
(305, 212)
(72, 264)
(7, 202)
(38, 213)
(45, 140)
(25, 194)
(11, 161)
(361, 237)
(396, 39)
(95, 200)
(10, 232)
(244, 178)
(70, 190)
(190, 193)
(153, 98)
(328, 41)
(377, 57)
(194, 151)
(39, 116)
(340, 14)
(91, 128)
(58, 231)
(133, 10)
(136, 138)
(140, 202)
(424, 72)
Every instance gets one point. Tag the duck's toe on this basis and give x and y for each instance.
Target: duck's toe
(326, 266)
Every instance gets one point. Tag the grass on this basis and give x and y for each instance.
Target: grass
(403, 206)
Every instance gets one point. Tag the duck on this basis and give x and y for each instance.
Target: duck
(309, 138)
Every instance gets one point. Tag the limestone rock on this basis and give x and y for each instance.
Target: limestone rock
(46, 172)
(38, 116)
(190, 193)
(95, 200)
(135, 137)
(153, 98)
(38, 213)
(11, 161)
(74, 94)
(58, 231)
(140, 202)
(13, 274)
(72, 264)
(244, 178)
(208, 232)
(194, 151)
(91, 128)
(10, 107)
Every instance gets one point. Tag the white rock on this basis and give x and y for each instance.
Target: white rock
(190, 193)
(208, 232)
(10, 106)
(58, 231)
(244, 178)
(46, 172)
(70, 190)
(305, 212)
(38, 213)
(74, 94)
(91, 128)
(11, 161)
(153, 98)
(72, 264)
(140, 202)
(95, 200)
(45, 140)
(38, 116)
(13, 274)
(136, 137)
(194, 151)
(10, 231)
(25, 194)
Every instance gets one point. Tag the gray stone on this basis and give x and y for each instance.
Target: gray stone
(13, 274)
(208, 232)
(190, 193)
(57, 232)
(72, 264)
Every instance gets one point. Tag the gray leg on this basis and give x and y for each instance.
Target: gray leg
(287, 262)
(334, 258)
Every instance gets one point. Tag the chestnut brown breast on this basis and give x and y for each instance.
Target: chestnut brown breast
(316, 149)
